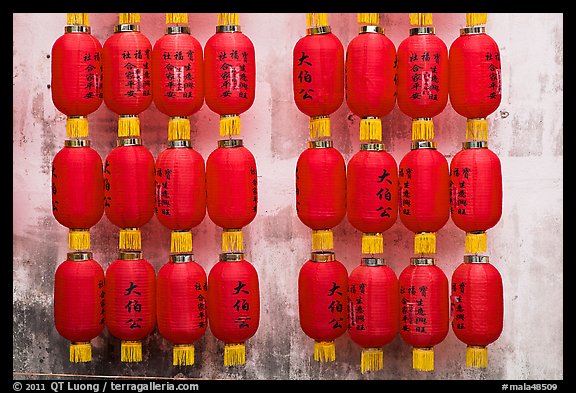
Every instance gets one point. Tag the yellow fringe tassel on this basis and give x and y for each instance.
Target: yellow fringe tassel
(319, 127)
(178, 128)
(234, 354)
(477, 129)
(76, 127)
(423, 359)
(316, 20)
(131, 351)
(183, 355)
(475, 242)
(421, 19)
(77, 19)
(130, 239)
(422, 129)
(176, 18)
(425, 243)
(476, 357)
(181, 241)
(229, 125)
(371, 19)
(129, 18)
(80, 352)
(128, 126)
(475, 19)
(372, 243)
(371, 129)
(372, 359)
(232, 240)
(227, 19)
(322, 239)
(324, 351)
(79, 239)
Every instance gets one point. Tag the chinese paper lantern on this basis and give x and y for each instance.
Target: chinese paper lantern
(323, 302)
(424, 303)
(231, 190)
(422, 90)
(233, 305)
(373, 310)
(475, 192)
(229, 73)
(181, 294)
(372, 194)
(370, 72)
(318, 74)
(79, 303)
(424, 194)
(130, 302)
(477, 307)
(475, 76)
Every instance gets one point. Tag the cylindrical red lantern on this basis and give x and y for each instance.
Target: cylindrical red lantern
(130, 302)
(181, 295)
(79, 303)
(323, 302)
(233, 305)
(77, 190)
(373, 313)
(424, 194)
(477, 307)
(372, 194)
(424, 303)
(475, 192)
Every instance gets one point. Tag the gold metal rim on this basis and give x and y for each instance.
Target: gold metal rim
(469, 30)
(176, 143)
(77, 143)
(372, 146)
(232, 256)
(230, 143)
(126, 27)
(322, 256)
(320, 144)
(475, 145)
(181, 258)
(76, 29)
(422, 261)
(371, 29)
(79, 256)
(370, 261)
(422, 30)
(178, 30)
(130, 255)
(228, 29)
(423, 145)
(129, 142)
(476, 259)
(318, 30)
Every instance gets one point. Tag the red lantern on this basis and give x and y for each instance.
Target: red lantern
(424, 307)
(318, 74)
(130, 302)
(373, 310)
(233, 305)
(372, 194)
(79, 303)
(477, 307)
(424, 193)
(77, 190)
(232, 190)
(475, 192)
(323, 302)
(181, 293)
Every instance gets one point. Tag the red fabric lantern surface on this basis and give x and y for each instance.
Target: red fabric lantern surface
(130, 302)
(475, 192)
(372, 194)
(233, 305)
(424, 193)
(181, 294)
(323, 302)
(373, 310)
(424, 303)
(477, 307)
(79, 303)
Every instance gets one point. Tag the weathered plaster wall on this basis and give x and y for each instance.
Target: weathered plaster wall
(526, 245)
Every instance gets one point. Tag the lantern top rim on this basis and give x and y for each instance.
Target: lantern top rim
(78, 256)
(371, 29)
(232, 256)
(470, 30)
(178, 30)
(475, 145)
(322, 144)
(181, 258)
(476, 259)
(422, 261)
(77, 143)
(228, 29)
(373, 146)
(130, 255)
(372, 261)
(322, 256)
(126, 28)
(132, 141)
(226, 143)
(77, 29)
(422, 30)
(318, 30)
(423, 145)
(177, 143)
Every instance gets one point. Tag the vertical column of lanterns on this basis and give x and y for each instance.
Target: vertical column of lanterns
(129, 188)
(178, 92)
(318, 88)
(423, 189)
(476, 190)
(231, 188)
(78, 186)
(372, 190)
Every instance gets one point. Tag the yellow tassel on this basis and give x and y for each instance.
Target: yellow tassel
(372, 243)
(425, 243)
(176, 18)
(476, 357)
(319, 127)
(77, 19)
(183, 355)
(477, 129)
(232, 240)
(227, 19)
(423, 359)
(372, 359)
(79, 239)
(475, 242)
(371, 129)
(234, 354)
(130, 239)
(475, 19)
(178, 128)
(316, 20)
(322, 239)
(371, 19)
(422, 129)
(181, 241)
(131, 351)
(324, 351)
(128, 126)
(80, 352)
(229, 125)
(420, 19)
(129, 18)
(77, 127)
